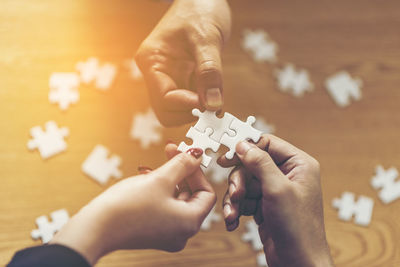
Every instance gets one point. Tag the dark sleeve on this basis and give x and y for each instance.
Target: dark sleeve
(48, 256)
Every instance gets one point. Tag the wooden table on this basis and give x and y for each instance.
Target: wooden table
(362, 37)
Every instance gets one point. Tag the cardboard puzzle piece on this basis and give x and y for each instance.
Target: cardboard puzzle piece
(261, 47)
(102, 75)
(293, 81)
(212, 217)
(388, 183)
(146, 129)
(63, 89)
(348, 207)
(49, 142)
(252, 236)
(244, 130)
(343, 88)
(200, 140)
(47, 229)
(100, 167)
(208, 119)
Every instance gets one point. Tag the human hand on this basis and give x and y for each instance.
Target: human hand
(181, 59)
(279, 185)
(144, 211)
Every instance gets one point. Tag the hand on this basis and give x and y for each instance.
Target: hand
(145, 211)
(181, 59)
(280, 186)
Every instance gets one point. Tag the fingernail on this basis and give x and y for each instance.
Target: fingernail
(232, 189)
(242, 147)
(195, 152)
(144, 169)
(214, 98)
(169, 141)
(227, 210)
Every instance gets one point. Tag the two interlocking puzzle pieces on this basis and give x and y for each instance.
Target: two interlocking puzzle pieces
(211, 131)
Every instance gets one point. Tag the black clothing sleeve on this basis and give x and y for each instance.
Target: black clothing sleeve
(48, 256)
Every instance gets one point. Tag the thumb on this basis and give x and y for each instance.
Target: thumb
(259, 163)
(209, 76)
(180, 166)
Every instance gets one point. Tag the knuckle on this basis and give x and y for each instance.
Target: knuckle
(209, 67)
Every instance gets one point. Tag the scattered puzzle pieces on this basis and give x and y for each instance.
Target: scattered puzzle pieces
(64, 89)
(146, 129)
(294, 81)
(134, 70)
(252, 236)
(91, 70)
(387, 181)
(100, 167)
(212, 217)
(343, 88)
(244, 130)
(348, 207)
(46, 229)
(200, 140)
(261, 47)
(49, 142)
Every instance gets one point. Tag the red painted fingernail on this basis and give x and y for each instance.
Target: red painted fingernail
(195, 152)
(169, 141)
(144, 169)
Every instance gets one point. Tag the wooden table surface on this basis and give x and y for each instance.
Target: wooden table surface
(362, 37)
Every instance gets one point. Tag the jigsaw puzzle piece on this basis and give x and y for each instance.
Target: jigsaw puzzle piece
(388, 183)
(219, 126)
(47, 229)
(348, 207)
(100, 167)
(64, 89)
(200, 140)
(244, 130)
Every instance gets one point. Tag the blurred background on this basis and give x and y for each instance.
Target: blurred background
(362, 37)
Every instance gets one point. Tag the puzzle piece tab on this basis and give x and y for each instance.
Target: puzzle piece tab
(348, 207)
(46, 229)
(200, 140)
(64, 89)
(343, 88)
(388, 182)
(100, 167)
(49, 142)
(208, 119)
(244, 130)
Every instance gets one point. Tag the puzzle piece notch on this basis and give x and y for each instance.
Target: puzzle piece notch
(49, 142)
(146, 129)
(63, 89)
(47, 229)
(295, 81)
(100, 167)
(348, 207)
(343, 88)
(387, 181)
(91, 70)
(219, 126)
(212, 217)
(253, 236)
(244, 131)
(200, 140)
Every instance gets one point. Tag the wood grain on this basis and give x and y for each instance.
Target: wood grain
(362, 37)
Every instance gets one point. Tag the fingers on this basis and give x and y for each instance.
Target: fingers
(209, 75)
(259, 163)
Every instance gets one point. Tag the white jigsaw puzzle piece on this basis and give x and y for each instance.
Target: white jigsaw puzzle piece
(294, 81)
(105, 76)
(64, 89)
(200, 140)
(47, 229)
(88, 69)
(262, 260)
(146, 129)
(252, 236)
(209, 119)
(348, 207)
(244, 130)
(49, 142)
(212, 217)
(388, 182)
(102, 75)
(100, 167)
(258, 43)
(343, 88)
